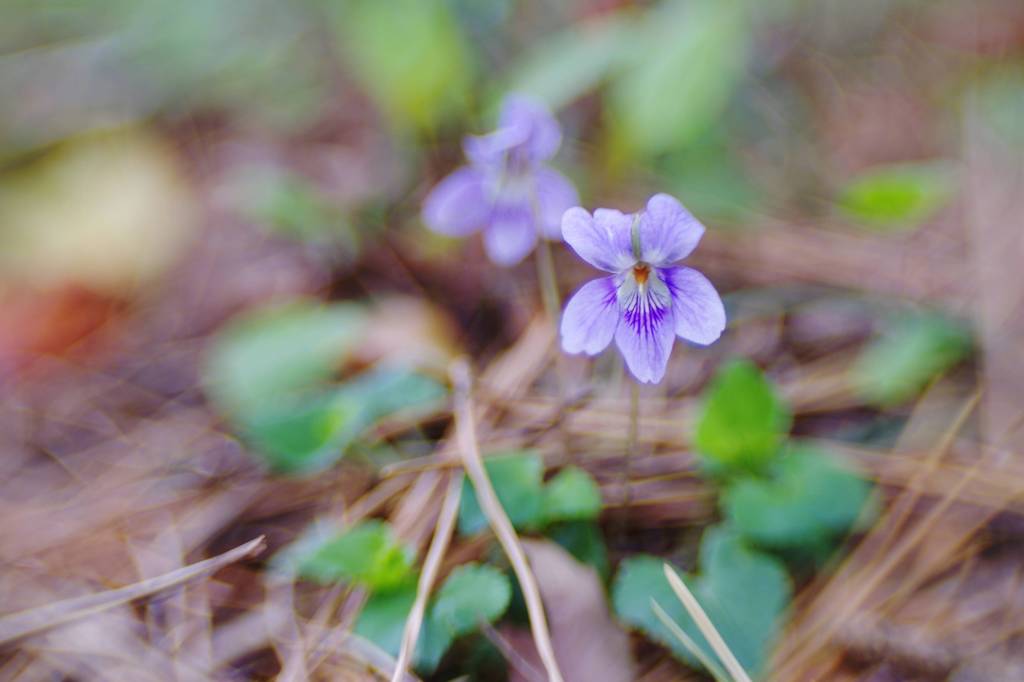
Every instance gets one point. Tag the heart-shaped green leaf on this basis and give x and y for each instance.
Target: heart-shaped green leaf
(743, 592)
(809, 499)
(743, 422)
(471, 594)
(572, 495)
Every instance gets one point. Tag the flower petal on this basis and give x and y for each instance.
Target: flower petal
(555, 195)
(488, 151)
(590, 317)
(602, 239)
(696, 306)
(646, 332)
(511, 234)
(668, 232)
(543, 135)
(458, 205)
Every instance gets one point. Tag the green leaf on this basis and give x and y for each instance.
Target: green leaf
(268, 357)
(572, 495)
(743, 422)
(584, 541)
(743, 592)
(409, 54)
(688, 57)
(573, 62)
(810, 500)
(516, 478)
(897, 196)
(382, 621)
(471, 594)
(914, 350)
(313, 434)
(383, 617)
(308, 436)
(368, 553)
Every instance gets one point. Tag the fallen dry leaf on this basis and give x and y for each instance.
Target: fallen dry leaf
(588, 643)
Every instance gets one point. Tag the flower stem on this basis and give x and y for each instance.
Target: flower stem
(631, 445)
(548, 280)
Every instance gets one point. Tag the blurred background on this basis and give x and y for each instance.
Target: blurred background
(221, 317)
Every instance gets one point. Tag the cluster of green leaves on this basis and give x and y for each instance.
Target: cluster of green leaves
(564, 509)
(271, 372)
(368, 554)
(779, 500)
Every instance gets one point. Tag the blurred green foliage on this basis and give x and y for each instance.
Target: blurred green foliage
(272, 374)
(410, 54)
(368, 554)
(743, 592)
(897, 196)
(681, 68)
(912, 350)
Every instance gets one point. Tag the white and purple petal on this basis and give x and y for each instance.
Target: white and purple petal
(591, 317)
(458, 205)
(510, 235)
(668, 232)
(646, 331)
(555, 195)
(601, 239)
(696, 307)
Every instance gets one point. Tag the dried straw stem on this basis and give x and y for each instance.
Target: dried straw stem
(465, 425)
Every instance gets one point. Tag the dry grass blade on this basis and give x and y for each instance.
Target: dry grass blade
(707, 628)
(431, 567)
(24, 623)
(469, 450)
(691, 646)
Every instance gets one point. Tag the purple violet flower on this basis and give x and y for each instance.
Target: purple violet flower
(506, 190)
(647, 301)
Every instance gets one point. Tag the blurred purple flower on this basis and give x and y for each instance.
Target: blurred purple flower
(506, 190)
(647, 301)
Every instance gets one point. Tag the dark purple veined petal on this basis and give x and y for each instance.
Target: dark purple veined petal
(590, 317)
(668, 232)
(458, 205)
(696, 307)
(510, 235)
(646, 331)
(602, 239)
(555, 195)
(543, 134)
